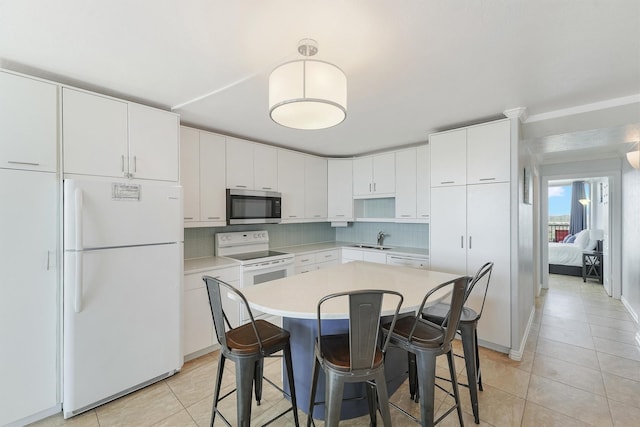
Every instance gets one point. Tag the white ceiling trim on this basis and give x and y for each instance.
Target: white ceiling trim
(595, 106)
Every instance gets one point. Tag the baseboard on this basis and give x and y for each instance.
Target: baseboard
(630, 309)
(202, 352)
(517, 354)
(36, 417)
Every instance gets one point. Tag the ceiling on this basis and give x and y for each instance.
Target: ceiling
(413, 67)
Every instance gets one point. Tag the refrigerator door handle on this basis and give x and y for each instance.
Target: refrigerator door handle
(79, 247)
(78, 219)
(77, 300)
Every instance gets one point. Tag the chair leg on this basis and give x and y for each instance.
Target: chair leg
(468, 331)
(334, 389)
(216, 393)
(314, 386)
(292, 384)
(426, 368)
(478, 371)
(371, 400)
(257, 379)
(383, 398)
(454, 383)
(245, 371)
(413, 378)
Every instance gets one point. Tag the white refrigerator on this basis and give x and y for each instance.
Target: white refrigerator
(122, 279)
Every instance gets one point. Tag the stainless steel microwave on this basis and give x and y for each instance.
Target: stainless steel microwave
(253, 207)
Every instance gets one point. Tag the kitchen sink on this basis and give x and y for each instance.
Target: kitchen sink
(363, 246)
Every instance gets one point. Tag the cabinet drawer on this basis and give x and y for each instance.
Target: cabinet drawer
(326, 264)
(326, 256)
(306, 259)
(306, 268)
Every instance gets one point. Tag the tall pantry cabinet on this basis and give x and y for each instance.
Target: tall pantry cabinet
(471, 216)
(28, 253)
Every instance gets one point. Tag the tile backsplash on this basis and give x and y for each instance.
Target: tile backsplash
(199, 242)
(397, 234)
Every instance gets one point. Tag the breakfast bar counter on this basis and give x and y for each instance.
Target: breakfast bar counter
(295, 298)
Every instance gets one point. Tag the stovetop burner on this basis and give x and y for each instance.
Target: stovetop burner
(255, 255)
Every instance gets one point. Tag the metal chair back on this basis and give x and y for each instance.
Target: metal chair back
(482, 277)
(365, 307)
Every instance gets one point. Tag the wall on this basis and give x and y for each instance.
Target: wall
(198, 242)
(631, 239)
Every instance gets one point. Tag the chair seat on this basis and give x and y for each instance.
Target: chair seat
(242, 340)
(425, 335)
(335, 349)
(437, 312)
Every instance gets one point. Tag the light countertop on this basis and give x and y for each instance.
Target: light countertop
(297, 296)
(316, 247)
(198, 265)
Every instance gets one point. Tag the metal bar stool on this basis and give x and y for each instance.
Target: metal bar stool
(247, 346)
(353, 357)
(426, 340)
(468, 328)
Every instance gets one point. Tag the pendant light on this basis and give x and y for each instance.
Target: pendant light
(307, 93)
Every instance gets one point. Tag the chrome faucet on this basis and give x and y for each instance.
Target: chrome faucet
(381, 236)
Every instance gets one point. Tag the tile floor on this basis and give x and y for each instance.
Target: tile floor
(581, 367)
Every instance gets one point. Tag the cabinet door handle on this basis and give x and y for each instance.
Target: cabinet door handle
(267, 188)
(293, 216)
(424, 215)
(369, 187)
(188, 217)
(48, 257)
(462, 242)
(446, 182)
(340, 215)
(374, 187)
(405, 216)
(241, 186)
(135, 164)
(13, 162)
(469, 242)
(487, 179)
(317, 216)
(122, 162)
(213, 217)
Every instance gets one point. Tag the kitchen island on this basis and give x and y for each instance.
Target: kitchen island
(295, 298)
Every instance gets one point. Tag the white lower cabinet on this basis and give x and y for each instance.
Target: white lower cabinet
(198, 332)
(349, 255)
(30, 297)
(305, 263)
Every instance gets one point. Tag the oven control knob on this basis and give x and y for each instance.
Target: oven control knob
(264, 235)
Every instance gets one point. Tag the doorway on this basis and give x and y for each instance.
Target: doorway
(603, 212)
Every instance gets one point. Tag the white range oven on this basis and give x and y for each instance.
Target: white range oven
(258, 264)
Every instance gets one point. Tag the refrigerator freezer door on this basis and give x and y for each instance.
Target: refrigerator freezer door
(127, 329)
(102, 213)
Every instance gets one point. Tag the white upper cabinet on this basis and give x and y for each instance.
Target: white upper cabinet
(489, 153)
(28, 113)
(107, 137)
(291, 174)
(153, 143)
(340, 189)
(449, 158)
(265, 167)
(423, 182)
(190, 173)
(475, 155)
(374, 176)
(239, 164)
(94, 134)
(406, 188)
(251, 166)
(202, 175)
(315, 184)
(213, 202)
